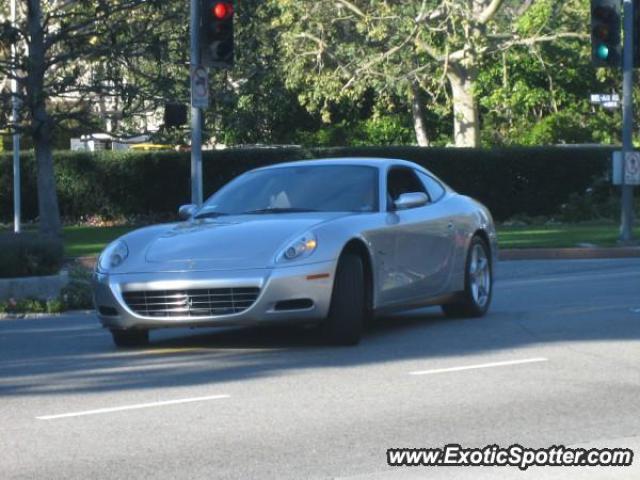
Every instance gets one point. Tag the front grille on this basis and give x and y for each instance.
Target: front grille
(191, 303)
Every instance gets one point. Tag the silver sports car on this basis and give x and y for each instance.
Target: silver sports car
(327, 242)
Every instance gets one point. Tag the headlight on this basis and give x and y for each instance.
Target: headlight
(113, 256)
(300, 248)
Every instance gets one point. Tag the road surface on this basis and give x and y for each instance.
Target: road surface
(556, 362)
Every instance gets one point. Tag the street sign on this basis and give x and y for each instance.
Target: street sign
(631, 170)
(607, 100)
(199, 87)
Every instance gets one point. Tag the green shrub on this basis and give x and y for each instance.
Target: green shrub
(530, 181)
(32, 305)
(557, 128)
(384, 130)
(55, 305)
(77, 294)
(29, 254)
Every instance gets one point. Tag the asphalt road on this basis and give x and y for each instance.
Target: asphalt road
(556, 362)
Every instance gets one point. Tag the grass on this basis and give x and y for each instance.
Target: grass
(82, 241)
(87, 241)
(559, 236)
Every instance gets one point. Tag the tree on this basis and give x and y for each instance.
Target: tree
(73, 53)
(250, 103)
(538, 93)
(438, 48)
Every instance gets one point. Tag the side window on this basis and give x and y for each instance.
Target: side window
(434, 188)
(403, 180)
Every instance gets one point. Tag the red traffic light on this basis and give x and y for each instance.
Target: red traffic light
(601, 32)
(222, 10)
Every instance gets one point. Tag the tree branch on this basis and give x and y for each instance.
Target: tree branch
(431, 51)
(352, 7)
(488, 13)
(540, 39)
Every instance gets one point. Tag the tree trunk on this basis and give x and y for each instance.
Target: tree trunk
(49, 221)
(41, 124)
(419, 123)
(466, 119)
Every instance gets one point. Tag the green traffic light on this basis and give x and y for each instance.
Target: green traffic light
(602, 52)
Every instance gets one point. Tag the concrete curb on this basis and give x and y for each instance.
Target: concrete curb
(42, 287)
(568, 253)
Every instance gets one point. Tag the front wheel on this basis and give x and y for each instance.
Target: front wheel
(476, 298)
(130, 338)
(343, 325)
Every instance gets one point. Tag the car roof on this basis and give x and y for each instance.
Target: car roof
(376, 162)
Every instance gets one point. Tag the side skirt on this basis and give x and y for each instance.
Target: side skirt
(418, 303)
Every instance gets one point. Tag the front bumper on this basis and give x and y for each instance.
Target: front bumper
(276, 285)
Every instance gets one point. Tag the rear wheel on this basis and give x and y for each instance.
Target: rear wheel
(343, 325)
(476, 298)
(130, 338)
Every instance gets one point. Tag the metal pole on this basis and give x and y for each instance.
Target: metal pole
(626, 220)
(196, 113)
(16, 136)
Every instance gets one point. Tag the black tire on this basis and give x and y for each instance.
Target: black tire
(467, 304)
(344, 324)
(130, 338)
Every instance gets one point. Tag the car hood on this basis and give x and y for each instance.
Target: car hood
(234, 242)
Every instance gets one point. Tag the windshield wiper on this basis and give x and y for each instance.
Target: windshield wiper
(210, 214)
(279, 210)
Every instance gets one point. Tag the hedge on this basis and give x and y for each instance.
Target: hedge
(510, 181)
(29, 254)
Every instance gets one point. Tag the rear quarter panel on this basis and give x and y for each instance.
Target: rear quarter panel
(470, 217)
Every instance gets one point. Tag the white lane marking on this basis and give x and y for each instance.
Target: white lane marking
(481, 365)
(132, 407)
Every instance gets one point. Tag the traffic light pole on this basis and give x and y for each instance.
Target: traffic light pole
(626, 220)
(196, 113)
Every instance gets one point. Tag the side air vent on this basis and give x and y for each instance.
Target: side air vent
(298, 304)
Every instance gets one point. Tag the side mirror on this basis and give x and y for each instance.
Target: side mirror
(185, 212)
(411, 200)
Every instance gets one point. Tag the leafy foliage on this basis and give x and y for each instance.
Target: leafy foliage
(327, 73)
(31, 305)
(532, 181)
(28, 254)
(78, 294)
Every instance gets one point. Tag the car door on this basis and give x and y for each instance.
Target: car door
(416, 244)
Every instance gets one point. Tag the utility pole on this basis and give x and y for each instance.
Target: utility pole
(626, 220)
(196, 112)
(14, 121)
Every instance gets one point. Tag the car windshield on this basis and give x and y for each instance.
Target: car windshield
(317, 188)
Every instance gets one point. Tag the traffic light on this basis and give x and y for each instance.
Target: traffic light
(175, 115)
(216, 33)
(606, 48)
